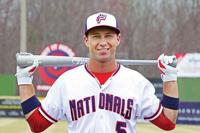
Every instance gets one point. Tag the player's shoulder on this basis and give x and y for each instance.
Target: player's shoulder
(75, 70)
(131, 72)
(135, 76)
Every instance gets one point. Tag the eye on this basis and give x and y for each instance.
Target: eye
(109, 36)
(95, 36)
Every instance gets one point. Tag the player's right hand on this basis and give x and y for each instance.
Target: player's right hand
(167, 67)
(25, 74)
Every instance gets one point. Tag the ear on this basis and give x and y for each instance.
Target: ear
(118, 39)
(85, 39)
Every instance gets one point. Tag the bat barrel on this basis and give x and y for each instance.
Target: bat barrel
(27, 60)
(49, 60)
(137, 62)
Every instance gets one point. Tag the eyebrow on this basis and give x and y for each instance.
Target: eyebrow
(95, 33)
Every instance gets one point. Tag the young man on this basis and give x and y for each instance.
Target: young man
(101, 96)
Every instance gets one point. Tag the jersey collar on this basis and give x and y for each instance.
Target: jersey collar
(118, 67)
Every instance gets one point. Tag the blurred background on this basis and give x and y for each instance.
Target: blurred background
(148, 28)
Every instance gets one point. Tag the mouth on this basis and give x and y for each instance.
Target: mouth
(103, 51)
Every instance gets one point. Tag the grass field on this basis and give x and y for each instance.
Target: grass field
(14, 125)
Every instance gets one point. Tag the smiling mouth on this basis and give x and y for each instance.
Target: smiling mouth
(104, 49)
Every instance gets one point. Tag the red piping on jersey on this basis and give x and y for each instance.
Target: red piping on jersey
(150, 117)
(38, 122)
(47, 114)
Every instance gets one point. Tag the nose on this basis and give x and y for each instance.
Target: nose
(103, 42)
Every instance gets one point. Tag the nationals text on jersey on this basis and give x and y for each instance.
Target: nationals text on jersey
(108, 102)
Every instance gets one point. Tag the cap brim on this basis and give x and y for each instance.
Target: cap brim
(114, 28)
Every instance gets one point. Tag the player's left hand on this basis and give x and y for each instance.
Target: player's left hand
(167, 67)
(25, 74)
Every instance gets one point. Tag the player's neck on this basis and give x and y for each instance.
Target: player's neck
(99, 67)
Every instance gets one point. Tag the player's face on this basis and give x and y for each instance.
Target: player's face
(102, 43)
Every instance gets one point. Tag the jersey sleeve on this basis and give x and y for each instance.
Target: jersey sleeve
(150, 107)
(52, 105)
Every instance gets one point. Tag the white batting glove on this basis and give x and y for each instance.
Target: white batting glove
(25, 74)
(167, 67)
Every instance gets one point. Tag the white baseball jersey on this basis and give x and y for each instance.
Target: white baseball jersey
(89, 107)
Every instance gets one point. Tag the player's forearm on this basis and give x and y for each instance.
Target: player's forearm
(171, 89)
(26, 92)
(171, 114)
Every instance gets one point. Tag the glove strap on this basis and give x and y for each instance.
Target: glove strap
(24, 80)
(168, 77)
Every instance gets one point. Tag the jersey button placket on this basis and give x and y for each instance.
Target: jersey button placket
(106, 84)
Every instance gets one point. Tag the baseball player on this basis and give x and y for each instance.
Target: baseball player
(101, 96)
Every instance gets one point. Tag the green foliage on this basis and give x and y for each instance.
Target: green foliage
(7, 85)
(189, 89)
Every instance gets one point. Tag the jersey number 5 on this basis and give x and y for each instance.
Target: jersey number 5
(121, 127)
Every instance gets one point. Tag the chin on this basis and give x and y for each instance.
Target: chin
(104, 60)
